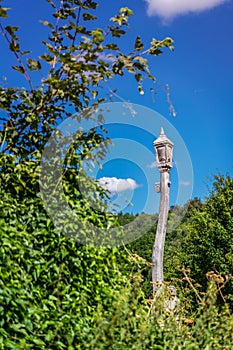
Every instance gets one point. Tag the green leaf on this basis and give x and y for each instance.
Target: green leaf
(94, 93)
(25, 52)
(97, 35)
(126, 11)
(111, 47)
(33, 65)
(49, 335)
(3, 12)
(48, 58)
(52, 3)
(138, 45)
(14, 46)
(11, 29)
(168, 42)
(140, 89)
(47, 24)
(19, 69)
(116, 32)
(138, 77)
(87, 16)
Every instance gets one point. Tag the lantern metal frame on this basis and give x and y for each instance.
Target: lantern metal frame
(164, 151)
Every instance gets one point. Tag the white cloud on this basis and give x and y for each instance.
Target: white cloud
(152, 165)
(155, 165)
(168, 9)
(185, 183)
(115, 185)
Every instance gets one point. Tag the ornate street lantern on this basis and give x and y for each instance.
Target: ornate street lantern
(163, 150)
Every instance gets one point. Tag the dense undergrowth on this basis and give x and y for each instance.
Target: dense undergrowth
(57, 294)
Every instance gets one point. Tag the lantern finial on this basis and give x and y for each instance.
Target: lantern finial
(161, 131)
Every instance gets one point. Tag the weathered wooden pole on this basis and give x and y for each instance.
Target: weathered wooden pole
(163, 150)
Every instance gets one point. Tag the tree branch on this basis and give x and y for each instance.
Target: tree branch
(26, 75)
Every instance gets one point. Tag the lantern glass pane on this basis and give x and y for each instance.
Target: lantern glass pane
(161, 154)
(169, 154)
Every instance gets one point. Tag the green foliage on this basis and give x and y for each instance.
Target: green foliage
(203, 242)
(208, 244)
(56, 293)
(77, 62)
(51, 288)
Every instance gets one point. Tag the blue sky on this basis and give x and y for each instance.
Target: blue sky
(199, 73)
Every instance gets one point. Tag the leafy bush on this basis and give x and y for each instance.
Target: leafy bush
(56, 294)
(208, 241)
(51, 288)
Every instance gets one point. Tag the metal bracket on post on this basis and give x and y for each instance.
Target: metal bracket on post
(157, 187)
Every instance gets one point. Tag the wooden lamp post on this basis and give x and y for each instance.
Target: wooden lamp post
(163, 150)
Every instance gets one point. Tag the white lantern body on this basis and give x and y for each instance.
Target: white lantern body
(164, 151)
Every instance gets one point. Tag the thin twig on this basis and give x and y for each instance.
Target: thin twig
(191, 284)
(77, 23)
(55, 38)
(27, 77)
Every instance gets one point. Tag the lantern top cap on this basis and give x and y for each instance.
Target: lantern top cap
(162, 139)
